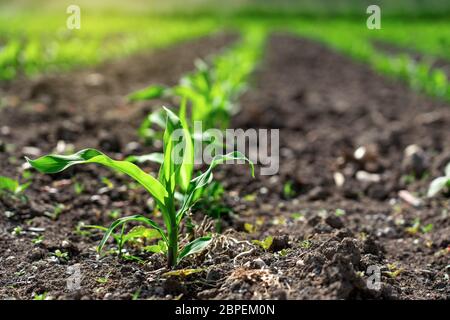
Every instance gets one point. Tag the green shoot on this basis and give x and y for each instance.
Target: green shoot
(339, 212)
(173, 177)
(17, 231)
(440, 184)
(42, 296)
(265, 244)
(416, 227)
(12, 186)
(61, 256)
(38, 240)
(78, 188)
(57, 210)
(288, 190)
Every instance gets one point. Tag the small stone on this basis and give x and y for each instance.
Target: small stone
(108, 296)
(94, 79)
(415, 161)
(364, 176)
(313, 221)
(132, 146)
(365, 154)
(339, 179)
(31, 151)
(37, 254)
(334, 222)
(409, 198)
(300, 263)
(259, 263)
(280, 295)
(279, 243)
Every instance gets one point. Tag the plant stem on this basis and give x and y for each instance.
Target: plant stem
(173, 247)
(172, 250)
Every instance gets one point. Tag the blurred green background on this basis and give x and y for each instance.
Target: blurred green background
(34, 38)
(418, 8)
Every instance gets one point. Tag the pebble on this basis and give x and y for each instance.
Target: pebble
(415, 160)
(5, 130)
(132, 146)
(300, 263)
(259, 263)
(367, 177)
(409, 198)
(339, 179)
(94, 79)
(334, 222)
(31, 151)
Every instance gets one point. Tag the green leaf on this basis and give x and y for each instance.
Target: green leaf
(156, 157)
(12, 185)
(169, 167)
(142, 232)
(194, 247)
(265, 244)
(206, 178)
(161, 247)
(177, 168)
(149, 93)
(427, 228)
(8, 184)
(181, 272)
(58, 163)
(121, 221)
(437, 185)
(187, 167)
(447, 170)
(158, 118)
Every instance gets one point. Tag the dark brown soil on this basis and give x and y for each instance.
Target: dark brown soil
(326, 107)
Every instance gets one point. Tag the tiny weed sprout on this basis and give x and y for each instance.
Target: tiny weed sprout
(174, 177)
(137, 236)
(60, 255)
(265, 244)
(11, 186)
(440, 184)
(17, 231)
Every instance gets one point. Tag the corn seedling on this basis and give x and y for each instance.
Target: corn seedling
(440, 184)
(174, 176)
(212, 91)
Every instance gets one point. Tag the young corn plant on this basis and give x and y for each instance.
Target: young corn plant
(175, 176)
(211, 90)
(441, 183)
